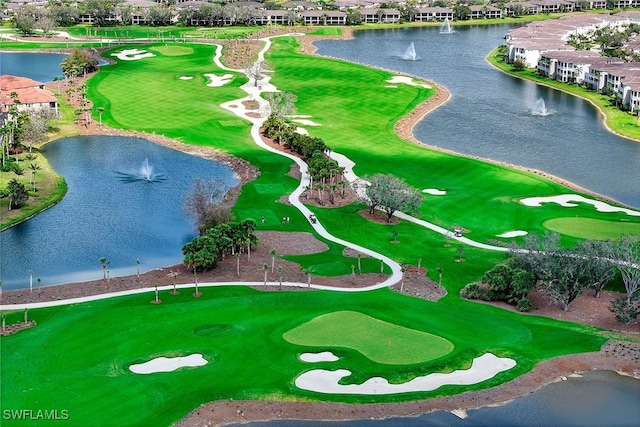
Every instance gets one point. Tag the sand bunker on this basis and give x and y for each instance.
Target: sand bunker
(132, 54)
(408, 81)
(168, 364)
(217, 81)
(434, 191)
(185, 77)
(302, 131)
(514, 233)
(325, 356)
(483, 368)
(571, 200)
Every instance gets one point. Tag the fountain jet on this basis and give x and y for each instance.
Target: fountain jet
(144, 173)
(540, 108)
(410, 54)
(445, 28)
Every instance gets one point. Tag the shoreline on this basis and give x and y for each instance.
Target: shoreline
(232, 411)
(223, 412)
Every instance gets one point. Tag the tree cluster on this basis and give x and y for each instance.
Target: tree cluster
(503, 283)
(204, 252)
(564, 273)
(79, 63)
(391, 194)
(326, 173)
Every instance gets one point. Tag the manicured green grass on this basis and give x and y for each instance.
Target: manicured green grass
(379, 341)
(481, 197)
(78, 356)
(589, 228)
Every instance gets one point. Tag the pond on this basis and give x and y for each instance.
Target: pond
(109, 211)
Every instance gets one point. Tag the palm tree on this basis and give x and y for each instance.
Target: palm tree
(439, 270)
(105, 262)
(156, 300)
(100, 111)
(403, 270)
(266, 271)
(359, 263)
(138, 268)
(273, 259)
(353, 273)
(34, 167)
(308, 271)
(381, 266)
(419, 262)
(173, 275)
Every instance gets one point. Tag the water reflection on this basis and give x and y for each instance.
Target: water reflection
(489, 113)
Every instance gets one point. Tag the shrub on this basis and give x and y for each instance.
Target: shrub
(524, 304)
(472, 291)
(624, 310)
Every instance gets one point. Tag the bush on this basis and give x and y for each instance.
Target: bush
(518, 65)
(625, 311)
(11, 166)
(524, 304)
(472, 291)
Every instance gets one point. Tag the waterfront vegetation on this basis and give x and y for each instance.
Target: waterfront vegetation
(617, 120)
(84, 350)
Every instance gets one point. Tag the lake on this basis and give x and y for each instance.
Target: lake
(490, 115)
(42, 67)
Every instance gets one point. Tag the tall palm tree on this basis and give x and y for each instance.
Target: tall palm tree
(273, 259)
(266, 271)
(280, 270)
(100, 111)
(33, 167)
(104, 262)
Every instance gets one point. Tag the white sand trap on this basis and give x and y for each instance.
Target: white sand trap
(299, 116)
(570, 200)
(306, 122)
(185, 77)
(217, 81)
(132, 54)
(168, 364)
(407, 80)
(302, 131)
(514, 233)
(325, 356)
(482, 368)
(434, 191)
(391, 86)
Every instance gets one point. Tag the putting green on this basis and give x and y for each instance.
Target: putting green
(172, 50)
(591, 228)
(380, 341)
